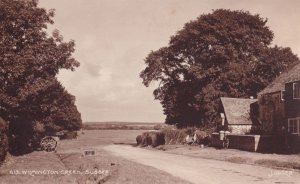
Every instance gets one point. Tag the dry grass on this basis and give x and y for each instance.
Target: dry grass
(174, 136)
(102, 168)
(177, 136)
(276, 163)
(68, 157)
(32, 163)
(238, 160)
(134, 173)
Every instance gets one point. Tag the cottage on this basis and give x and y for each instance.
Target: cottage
(236, 114)
(279, 107)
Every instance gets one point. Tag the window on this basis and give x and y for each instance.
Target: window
(296, 90)
(294, 125)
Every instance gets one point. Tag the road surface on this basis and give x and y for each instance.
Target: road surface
(199, 170)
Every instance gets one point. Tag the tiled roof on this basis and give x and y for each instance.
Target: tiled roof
(278, 84)
(237, 110)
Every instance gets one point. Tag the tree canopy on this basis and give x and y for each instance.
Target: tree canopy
(30, 59)
(223, 53)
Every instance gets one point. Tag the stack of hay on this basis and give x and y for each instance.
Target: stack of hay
(150, 139)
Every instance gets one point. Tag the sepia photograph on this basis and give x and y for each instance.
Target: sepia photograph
(149, 92)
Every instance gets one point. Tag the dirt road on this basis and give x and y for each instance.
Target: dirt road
(198, 170)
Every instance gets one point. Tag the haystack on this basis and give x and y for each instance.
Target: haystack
(151, 139)
(138, 140)
(157, 138)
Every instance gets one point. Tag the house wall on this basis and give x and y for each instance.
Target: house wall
(271, 112)
(254, 143)
(292, 105)
(274, 114)
(292, 111)
(294, 142)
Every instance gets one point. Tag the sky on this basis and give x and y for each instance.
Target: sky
(113, 37)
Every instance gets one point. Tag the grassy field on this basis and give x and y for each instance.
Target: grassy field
(70, 159)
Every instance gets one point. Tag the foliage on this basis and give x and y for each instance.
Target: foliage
(175, 136)
(224, 53)
(30, 94)
(69, 135)
(3, 139)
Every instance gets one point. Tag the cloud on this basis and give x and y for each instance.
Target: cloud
(93, 69)
(113, 38)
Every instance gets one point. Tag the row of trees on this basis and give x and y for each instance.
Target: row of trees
(224, 53)
(32, 100)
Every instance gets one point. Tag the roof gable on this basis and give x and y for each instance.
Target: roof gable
(237, 110)
(278, 84)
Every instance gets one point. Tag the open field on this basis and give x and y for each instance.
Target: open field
(136, 165)
(120, 126)
(71, 165)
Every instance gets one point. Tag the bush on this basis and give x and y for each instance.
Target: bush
(174, 135)
(3, 140)
(69, 135)
(158, 126)
(177, 136)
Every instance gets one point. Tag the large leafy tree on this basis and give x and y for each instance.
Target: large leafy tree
(224, 53)
(30, 59)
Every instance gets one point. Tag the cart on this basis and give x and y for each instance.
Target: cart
(49, 143)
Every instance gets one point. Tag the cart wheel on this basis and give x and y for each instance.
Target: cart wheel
(48, 144)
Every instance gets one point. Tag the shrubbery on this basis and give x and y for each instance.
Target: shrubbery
(3, 140)
(69, 135)
(173, 135)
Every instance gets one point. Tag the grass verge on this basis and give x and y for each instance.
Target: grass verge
(276, 163)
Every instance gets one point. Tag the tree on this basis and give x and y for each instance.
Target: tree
(29, 60)
(224, 53)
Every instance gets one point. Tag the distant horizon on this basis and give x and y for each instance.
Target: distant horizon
(121, 122)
